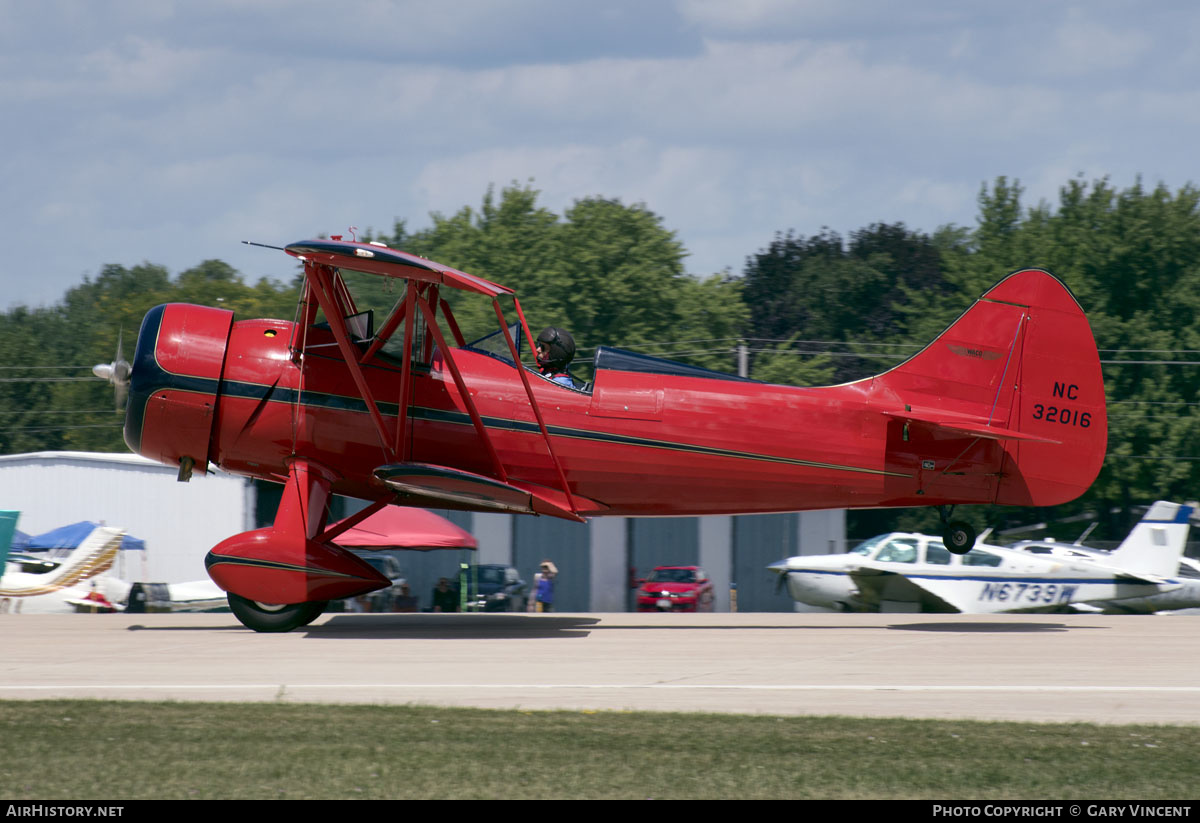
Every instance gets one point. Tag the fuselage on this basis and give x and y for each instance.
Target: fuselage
(913, 572)
(1005, 406)
(643, 441)
(1186, 575)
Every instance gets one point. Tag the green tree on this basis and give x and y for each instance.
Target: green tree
(823, 294)
(1132, 259)
(610, 273)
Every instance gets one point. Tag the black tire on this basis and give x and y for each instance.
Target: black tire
(958, 537)
(263, 617)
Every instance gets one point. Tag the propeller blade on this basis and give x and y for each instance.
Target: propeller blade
(117, 373)
(781, 570)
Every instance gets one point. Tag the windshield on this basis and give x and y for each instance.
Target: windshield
(868, 547)
(490, 575)
(672, 576)
(373, 299)
(898, 550)
(981, 557)
(496, 345)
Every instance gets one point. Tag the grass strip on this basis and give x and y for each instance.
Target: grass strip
(91, 749)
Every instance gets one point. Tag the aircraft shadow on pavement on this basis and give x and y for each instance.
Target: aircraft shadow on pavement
(178, 627)
(451, 626)
(985, 628)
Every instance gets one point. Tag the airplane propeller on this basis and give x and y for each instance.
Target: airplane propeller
(780, 569)
(116, 373)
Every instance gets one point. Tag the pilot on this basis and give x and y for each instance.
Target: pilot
(555, 350)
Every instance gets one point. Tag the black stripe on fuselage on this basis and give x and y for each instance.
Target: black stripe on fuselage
(336, 402)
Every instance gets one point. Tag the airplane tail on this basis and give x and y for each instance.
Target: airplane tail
(94, 555)
(1156, 542)
(1018, 368)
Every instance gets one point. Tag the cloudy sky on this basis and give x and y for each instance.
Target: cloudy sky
(151, 130)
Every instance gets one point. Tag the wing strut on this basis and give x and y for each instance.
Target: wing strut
(403, 444)
(323, 288)
(537, 412)
(432, 326)
(350, 522)
(334, 300)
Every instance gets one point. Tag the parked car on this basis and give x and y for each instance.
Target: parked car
(493, 587)
(675, 589)
(395, 598)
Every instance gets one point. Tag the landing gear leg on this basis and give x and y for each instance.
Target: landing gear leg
(957, 535)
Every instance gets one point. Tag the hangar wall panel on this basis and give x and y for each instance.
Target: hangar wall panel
(567, 545)
(758, 541)
(179, 522)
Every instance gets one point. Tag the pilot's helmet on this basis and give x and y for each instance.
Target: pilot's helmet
(560, 348)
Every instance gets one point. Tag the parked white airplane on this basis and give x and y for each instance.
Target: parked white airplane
(906, 572)
(34, 586)
(79, 582)
(1155, 546)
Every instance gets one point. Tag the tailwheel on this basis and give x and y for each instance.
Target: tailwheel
(269, 617)
(958, 537)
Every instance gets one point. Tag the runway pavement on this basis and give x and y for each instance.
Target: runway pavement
(1106, 669)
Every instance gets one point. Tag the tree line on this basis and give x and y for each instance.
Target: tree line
(810, 310)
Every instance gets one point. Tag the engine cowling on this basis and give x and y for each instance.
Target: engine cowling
(175, 384)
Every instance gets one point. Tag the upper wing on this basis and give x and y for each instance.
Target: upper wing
(376, 259)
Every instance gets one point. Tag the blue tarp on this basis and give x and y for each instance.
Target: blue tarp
(69, 537)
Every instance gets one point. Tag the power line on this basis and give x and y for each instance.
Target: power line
(61, 428)
(45, 367)
(1148, 457)
(48, 379)
(43, 412)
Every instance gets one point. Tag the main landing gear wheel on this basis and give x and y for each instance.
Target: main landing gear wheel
(268, 617)
(958, 537)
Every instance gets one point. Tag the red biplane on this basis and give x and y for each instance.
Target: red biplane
(1005, 407)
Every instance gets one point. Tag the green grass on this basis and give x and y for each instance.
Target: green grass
(79, 749)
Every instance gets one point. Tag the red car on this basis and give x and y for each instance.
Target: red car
(675, 589)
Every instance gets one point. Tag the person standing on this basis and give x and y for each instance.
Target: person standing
(445, 599)
(543, 588)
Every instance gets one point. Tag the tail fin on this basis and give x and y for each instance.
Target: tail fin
(95, 554)
(1020, 368)
(1156, 542)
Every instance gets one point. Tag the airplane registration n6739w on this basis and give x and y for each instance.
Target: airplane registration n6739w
(906, 572)
(394, 406)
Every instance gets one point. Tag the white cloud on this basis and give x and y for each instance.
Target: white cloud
(171, 131)
(1082, 45)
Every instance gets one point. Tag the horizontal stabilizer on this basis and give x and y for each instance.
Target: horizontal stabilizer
(1164, 584)
(963, 425)
(441, 484)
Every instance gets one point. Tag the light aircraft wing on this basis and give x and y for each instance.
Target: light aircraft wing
(1005, 591)
(439, 485)
(877, 586)
(377, 259)
(422, 483)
